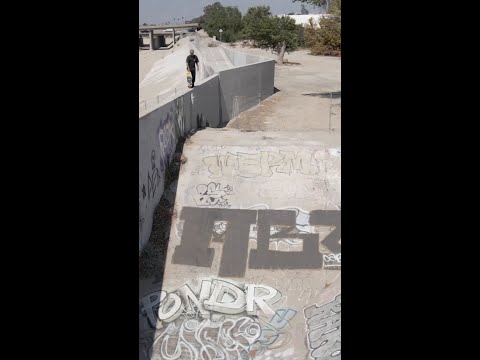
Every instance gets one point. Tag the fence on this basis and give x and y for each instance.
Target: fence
(335, 103)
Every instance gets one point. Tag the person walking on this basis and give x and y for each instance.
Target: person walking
(192, 60)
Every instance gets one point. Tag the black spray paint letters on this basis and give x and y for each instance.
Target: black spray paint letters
(199, 228)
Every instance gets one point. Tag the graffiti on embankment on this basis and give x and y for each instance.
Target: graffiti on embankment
(216, 320)
(324, 330)
(267, 163)
(200, 225)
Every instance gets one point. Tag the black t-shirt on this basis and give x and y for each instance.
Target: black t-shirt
(191, 61)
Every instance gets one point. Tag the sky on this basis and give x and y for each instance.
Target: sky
(160, 11)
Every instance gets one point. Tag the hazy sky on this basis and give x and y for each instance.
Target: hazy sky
(159, 11)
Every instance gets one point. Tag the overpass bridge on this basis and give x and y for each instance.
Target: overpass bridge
(151, 31)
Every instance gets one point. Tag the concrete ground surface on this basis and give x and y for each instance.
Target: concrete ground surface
(252, 268)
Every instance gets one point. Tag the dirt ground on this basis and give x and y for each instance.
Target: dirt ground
(307, 97)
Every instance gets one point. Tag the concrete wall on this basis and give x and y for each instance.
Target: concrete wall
(240, 58)
(244, 87)
(213, 102)
(205, 104)
(158, 135)
(159, 131)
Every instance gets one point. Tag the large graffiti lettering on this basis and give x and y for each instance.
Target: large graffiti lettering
(266, 163)
(216, 296)
(201, 225)
(324, 332)
(218, 321)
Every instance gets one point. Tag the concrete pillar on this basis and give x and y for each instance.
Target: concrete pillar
(151, 39)
(173, 36)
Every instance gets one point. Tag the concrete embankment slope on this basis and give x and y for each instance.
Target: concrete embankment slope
(253, 262)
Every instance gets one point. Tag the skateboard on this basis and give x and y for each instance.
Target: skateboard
(189, 78)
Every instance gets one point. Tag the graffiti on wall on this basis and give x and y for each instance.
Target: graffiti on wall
(154, 177)
(324, 332)
(160, 157)
(180, 114)
(216, 320)
(233, 228)
(266, 163)
(212, 194)
(167, 140)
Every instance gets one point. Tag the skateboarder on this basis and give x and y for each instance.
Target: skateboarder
(192, 60)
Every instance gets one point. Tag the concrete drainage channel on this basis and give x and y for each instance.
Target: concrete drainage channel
(244, 256)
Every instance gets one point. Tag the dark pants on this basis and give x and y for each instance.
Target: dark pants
(193, 76)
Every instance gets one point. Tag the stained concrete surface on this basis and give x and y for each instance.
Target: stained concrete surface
(253, 262)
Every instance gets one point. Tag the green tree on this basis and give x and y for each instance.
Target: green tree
(324, 39)
(279, 34)
(217, 17)
(319, 3)
(331, 6)
(304, 10)
(199, 20)
(301, 36)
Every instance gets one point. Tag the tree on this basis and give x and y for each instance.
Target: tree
(217, 17)
(270, 32)
(301, 35)
(304, 10)
(200, 21)
(324, 39)
(319, 3)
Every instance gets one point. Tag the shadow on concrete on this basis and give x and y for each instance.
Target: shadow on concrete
(326, 95)
(153, 256)
(275, 90)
